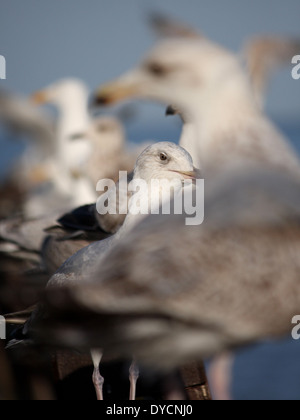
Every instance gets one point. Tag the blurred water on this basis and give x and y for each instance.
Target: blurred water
(270, 371)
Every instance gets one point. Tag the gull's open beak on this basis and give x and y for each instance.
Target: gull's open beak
(39, 98)
(111, 93)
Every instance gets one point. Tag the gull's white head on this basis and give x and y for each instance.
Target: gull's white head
(184, 72)
(165, 161)
(62, 93)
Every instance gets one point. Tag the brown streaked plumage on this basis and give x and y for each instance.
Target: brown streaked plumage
(171, 292)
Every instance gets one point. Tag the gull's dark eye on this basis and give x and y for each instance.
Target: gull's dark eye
(157, 69)
(103, 128)
(163, 157)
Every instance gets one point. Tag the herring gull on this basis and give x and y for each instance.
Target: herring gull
(110, 154)
(265, 54)
(161, 161)
(169, 293)
(65, 166)
(208, 84)
(87, 149)
(262, 54)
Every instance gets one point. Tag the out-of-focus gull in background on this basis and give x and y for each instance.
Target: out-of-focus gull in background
(208, 84)
(111, 152)
(80, 151)
(263, 55)
(20, 115)
(65, 167)
(266, 54)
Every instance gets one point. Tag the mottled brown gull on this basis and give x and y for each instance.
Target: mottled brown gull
(170, 293)
(161, 161)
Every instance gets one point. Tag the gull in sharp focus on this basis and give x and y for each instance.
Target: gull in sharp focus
(161, 161)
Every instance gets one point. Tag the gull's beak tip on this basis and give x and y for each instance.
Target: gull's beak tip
(113, 93)
(100, 99)
(39, 98)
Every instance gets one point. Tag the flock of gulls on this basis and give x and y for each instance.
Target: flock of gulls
(150, 289)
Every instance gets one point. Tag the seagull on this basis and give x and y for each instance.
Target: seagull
(71, 233)
(88, 149)
(208, 84)
(188, 137)
(262, 54)
(22, 240)
(160, 161)
(65, 167)
(169, 293)
(110, 154)
(19, 115)
(70, 96)
(21, 119)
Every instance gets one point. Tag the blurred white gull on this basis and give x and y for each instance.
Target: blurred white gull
(87, 149)
(223, 121)
(70, 96)
(208, 84)
(20, 116)
(66, 166)
(161, 161)
(110, 151)
(262, 54)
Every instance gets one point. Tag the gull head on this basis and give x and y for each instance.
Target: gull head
(184, 72)
(104, 131)
(165, 161)
(62, 93)
(108, 128)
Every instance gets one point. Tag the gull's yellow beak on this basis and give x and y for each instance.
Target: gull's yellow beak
(126, 87)
(39, 98)
(194, 174)
(38, 175)
(113, 93)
